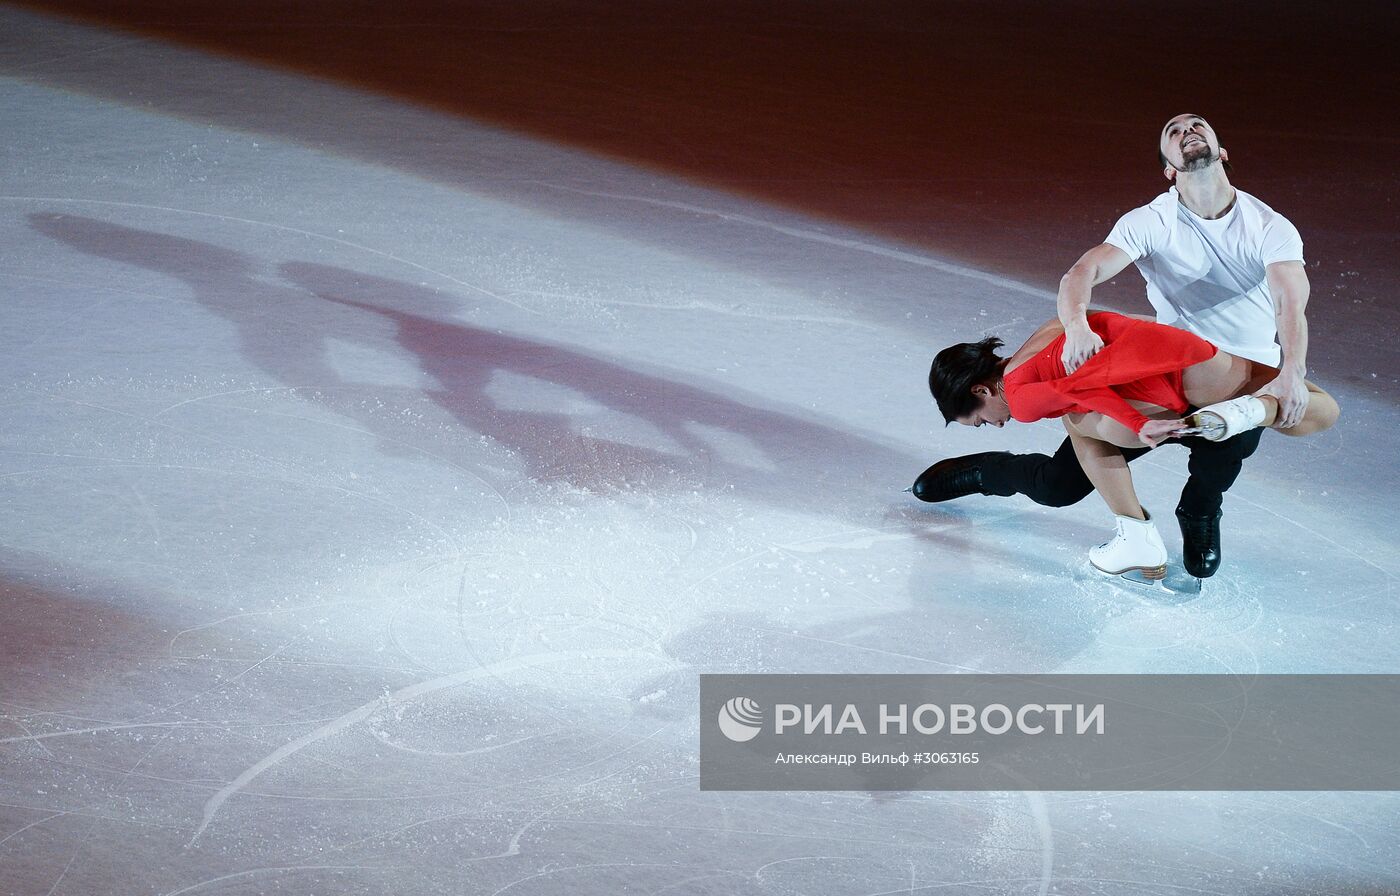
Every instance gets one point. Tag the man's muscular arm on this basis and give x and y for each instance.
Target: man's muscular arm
(1094, 267)
(1288, 284)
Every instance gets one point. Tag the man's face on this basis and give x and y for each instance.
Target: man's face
(1189, 143)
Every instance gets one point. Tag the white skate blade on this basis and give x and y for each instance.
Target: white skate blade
(1176, 582)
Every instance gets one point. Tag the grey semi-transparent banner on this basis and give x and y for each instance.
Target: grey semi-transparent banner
(1049, 732)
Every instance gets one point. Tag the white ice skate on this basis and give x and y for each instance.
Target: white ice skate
(1136, 548)
(1221, 421)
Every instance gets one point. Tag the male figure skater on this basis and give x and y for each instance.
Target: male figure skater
(1218, 263)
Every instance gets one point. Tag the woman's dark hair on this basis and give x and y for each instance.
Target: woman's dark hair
(957, 369)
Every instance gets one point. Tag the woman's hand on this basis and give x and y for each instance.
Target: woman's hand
(1154, 432)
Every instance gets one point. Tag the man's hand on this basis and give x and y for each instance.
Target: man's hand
(1154, 432)
(1292, 394)
(1072, 301)
(1081, 344)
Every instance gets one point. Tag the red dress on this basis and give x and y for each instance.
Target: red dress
(1140, 360)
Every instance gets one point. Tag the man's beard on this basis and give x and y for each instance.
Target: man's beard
(1198, 157)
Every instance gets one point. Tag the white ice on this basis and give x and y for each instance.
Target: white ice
(375, 484)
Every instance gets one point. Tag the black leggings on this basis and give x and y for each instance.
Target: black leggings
(1059, 481)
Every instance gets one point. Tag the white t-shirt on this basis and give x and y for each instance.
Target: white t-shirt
(1208, 276)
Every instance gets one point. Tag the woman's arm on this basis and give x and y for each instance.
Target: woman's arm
(1133, 350)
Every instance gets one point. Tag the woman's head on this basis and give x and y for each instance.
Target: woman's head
(965, 380)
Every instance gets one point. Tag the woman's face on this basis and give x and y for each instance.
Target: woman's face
(991, 407)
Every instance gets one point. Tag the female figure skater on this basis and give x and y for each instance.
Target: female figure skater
(1134, 392)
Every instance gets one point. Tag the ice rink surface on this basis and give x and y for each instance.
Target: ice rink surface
(375, 483)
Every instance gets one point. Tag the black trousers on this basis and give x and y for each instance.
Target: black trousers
(1058, 481)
